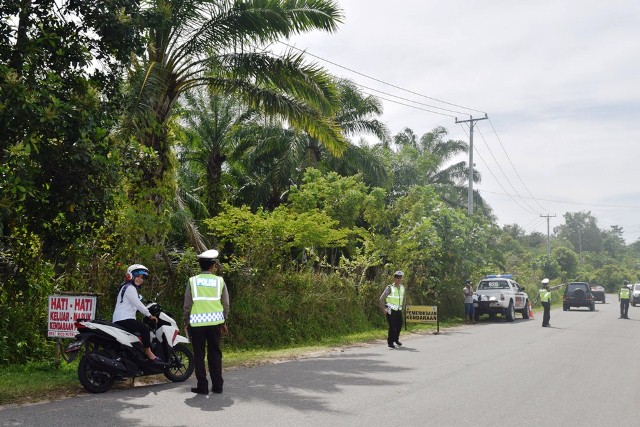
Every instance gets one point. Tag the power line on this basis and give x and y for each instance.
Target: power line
(567, 202)
(378, 80)
(385, 93)
(533, 224)
(497, 180)
(512, 166)
(407, 105)
(503, 173)
(410, 100)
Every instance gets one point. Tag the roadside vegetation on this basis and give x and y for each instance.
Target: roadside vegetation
(187, 131)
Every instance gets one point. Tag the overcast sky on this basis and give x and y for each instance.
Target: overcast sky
(559, 80)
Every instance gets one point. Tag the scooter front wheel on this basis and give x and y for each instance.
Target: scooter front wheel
(180, 364)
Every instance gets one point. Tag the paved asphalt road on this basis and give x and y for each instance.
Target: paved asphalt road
(583, 371)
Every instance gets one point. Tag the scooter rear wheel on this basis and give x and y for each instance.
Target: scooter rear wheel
(93, 378)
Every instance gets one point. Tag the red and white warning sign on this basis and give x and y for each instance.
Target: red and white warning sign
(65, 309)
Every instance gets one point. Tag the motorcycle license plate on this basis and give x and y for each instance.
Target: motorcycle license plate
(72, 351)
(74, 346)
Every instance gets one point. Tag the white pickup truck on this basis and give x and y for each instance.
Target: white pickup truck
(500, 294)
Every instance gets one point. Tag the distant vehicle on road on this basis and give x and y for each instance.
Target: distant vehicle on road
(599, 293)
(635, 294)
(578, 294)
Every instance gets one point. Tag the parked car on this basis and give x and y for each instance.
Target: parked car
(635, 294)
(599, 293)
(500, 294)
(578, 294)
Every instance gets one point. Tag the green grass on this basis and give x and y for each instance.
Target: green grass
(35, 382)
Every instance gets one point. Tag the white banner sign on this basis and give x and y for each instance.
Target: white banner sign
(65, 309)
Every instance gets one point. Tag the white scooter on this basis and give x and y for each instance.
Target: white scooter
(111, 353)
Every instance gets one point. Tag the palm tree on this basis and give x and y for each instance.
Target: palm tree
(443, 151)
(215, 44)
(210, 122)
(268, 160)
(356, 113)
(267, 170)
(406, 138)
(427, 161)
(356, 116)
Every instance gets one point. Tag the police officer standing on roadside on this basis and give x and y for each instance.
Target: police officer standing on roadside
(545, 299)
(391, 302)
(624, 295)
(206, 307)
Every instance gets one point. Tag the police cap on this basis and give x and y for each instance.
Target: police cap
(210, 254)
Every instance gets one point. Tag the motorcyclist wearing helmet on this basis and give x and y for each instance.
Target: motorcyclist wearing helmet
(128, 302)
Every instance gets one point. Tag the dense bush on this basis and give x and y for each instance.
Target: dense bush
(294, 308)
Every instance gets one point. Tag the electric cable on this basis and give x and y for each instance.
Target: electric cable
(572, 203)
(378, 80)
(503, 172)
(408, 105)
(514, 168)
(497, 180)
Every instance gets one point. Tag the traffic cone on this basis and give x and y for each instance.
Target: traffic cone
(530, 311)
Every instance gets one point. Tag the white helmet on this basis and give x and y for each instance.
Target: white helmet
(545, 281)
(210, 254)
(136, 270)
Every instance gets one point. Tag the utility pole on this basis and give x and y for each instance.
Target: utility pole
(471, 122)
(548, 237)
(580, 243)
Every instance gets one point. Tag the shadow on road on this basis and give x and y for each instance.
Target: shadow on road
(299, 384)
(292, 384)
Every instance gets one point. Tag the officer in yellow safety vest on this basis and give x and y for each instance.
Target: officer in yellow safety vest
(391, 303)
(545, 299)
(624, 295)
(206, 307)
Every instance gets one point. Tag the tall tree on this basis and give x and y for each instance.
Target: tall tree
(211, 121)
(357, 116)
(581, 229)
(219, 44)
(60, 69)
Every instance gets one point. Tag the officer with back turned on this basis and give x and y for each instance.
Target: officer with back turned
(206, 308)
